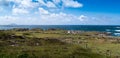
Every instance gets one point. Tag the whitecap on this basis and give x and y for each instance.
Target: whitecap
(117, 30)
(117, 34)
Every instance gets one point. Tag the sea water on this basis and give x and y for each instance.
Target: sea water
(113, 29)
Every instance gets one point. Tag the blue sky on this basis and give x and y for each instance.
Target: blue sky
(60, 12)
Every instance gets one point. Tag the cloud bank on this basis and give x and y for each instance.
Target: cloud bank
(38, 11)
(47, 12)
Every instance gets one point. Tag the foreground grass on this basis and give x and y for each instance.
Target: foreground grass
(49, 52)
(55, 44)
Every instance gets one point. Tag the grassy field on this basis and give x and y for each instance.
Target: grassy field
(57, 44)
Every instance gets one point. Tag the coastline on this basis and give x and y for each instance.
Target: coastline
(113, 29)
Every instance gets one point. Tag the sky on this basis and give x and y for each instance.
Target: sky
(60, 12)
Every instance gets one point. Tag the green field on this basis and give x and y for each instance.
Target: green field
(57, 44)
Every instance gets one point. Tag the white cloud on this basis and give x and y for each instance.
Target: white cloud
(16, 11)
(23, 7)
(72, 3)
(1, 9)
(65, 3)
(7, 19)
(82, 17)
(59, 19)
(43, 11)
(27, 5)
(41, 2)
(46, 18)
(56, 1)
(50, 4)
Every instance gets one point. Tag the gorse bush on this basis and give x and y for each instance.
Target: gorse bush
(5, 35)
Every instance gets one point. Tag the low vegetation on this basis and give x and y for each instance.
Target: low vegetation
(56, 43)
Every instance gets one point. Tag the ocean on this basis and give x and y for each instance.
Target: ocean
(113, 29)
